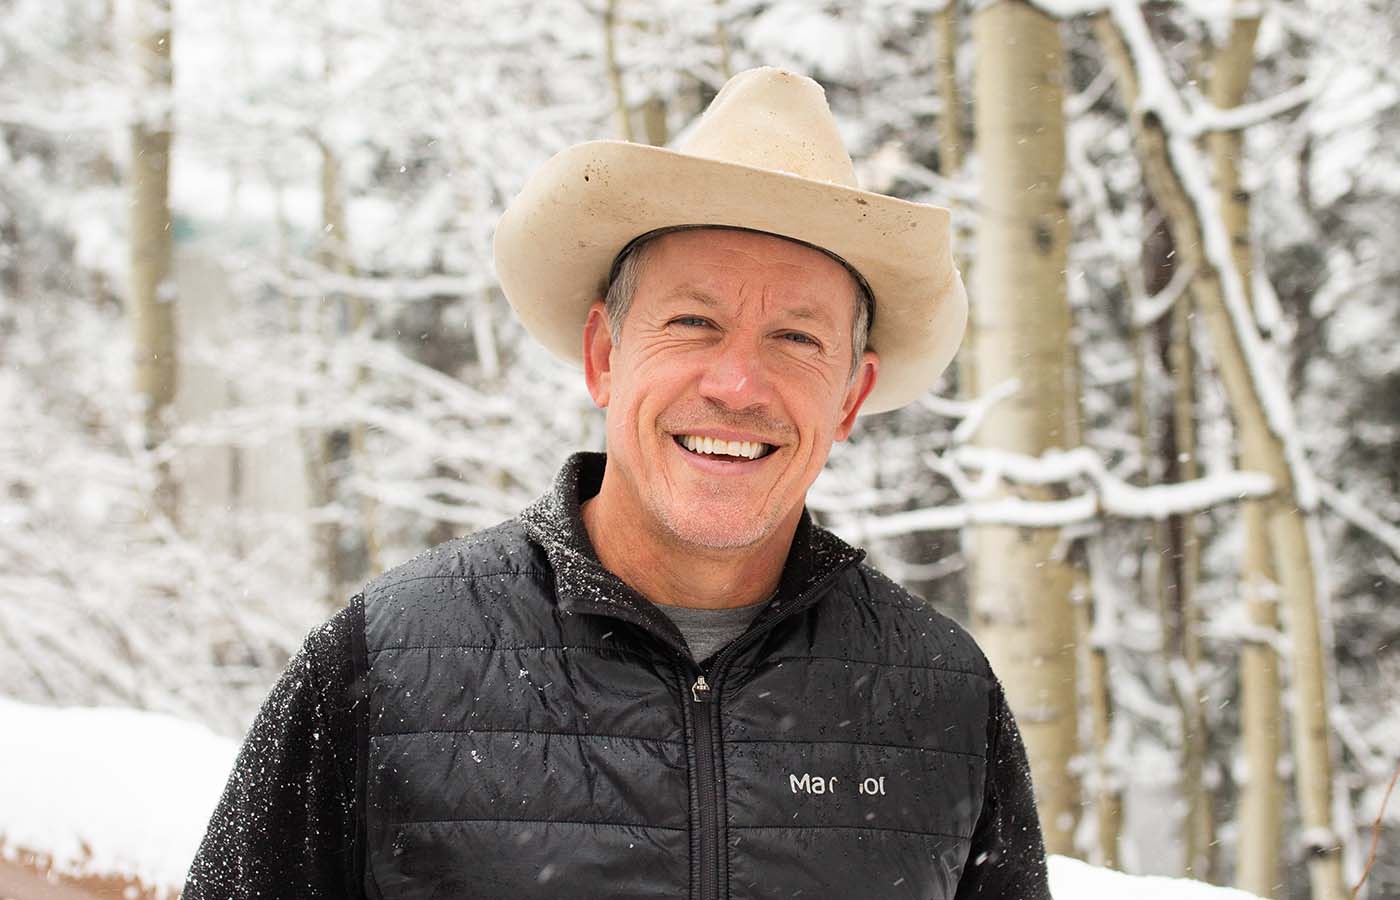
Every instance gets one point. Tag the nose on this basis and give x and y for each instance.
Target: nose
(735, 377)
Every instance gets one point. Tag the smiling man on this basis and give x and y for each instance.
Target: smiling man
(727, 365)
(663, 679)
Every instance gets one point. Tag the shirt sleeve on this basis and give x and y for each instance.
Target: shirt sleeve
(1007, 858)
(285, 825)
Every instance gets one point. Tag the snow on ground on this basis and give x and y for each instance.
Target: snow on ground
(115, 791)
(121, 791)
(1071, 879)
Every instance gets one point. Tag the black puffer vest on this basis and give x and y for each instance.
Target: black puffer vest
(537, 729)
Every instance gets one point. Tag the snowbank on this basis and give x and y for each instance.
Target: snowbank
(111, 791)
(120, 791)
(1071, 879)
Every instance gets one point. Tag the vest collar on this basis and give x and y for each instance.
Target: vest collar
(583, 585)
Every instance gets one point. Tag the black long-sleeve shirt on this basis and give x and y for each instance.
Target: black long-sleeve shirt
(285, 825)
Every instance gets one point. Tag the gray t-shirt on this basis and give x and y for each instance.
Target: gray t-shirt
(708, 630)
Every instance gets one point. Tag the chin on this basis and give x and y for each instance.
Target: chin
(714, 531)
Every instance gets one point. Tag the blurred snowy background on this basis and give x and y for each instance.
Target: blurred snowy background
(243, 373)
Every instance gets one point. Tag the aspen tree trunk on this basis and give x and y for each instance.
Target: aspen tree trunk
(151, 288)
(344, 555)
(624, 115)
(950, 152)
(1157, 257)
(1093, 623)
(1176, 551)
(726, 68)
(654, 121)
(325, 534)
(333, 453)
(1288, 538)
(1020, 585)
(950, 140)
(1259, 868)
(319, 447)
(1107, 782)
(1261, 794)
(1179, 574)
(338, 258)
(1098, 630)
(11, 272)
(1090, 636)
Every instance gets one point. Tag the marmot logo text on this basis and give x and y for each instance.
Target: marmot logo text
(816, 784)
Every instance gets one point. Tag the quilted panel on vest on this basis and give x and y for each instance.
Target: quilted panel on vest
(867, 756)
(520, 751)
(515, 751)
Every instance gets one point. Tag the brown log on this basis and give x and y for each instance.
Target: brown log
(29, 875)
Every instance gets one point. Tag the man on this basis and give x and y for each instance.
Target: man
(662, 680)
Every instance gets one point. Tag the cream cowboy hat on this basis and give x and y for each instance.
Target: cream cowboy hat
(765, 156)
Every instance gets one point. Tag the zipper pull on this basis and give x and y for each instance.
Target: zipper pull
(700, 690)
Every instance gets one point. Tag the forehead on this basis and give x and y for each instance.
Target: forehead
(725, 264)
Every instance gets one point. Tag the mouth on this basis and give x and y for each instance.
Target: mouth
(729, 451)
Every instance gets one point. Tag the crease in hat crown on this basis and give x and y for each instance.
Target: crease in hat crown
(766, 155)
(770, 119)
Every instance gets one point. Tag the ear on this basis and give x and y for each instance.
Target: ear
(597, 355)
(861, 386)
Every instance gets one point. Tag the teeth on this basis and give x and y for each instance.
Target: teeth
(711, 446)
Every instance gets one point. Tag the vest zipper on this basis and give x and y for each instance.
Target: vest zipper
(706, 717)
(706, 788)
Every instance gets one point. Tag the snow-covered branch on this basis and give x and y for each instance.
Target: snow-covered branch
(1158, 97)
(94, 116)
(1149, 309)
(1106, 495)
(1069, 9)
(1008, 511)
(310, 280)
(1116, 497)
(967, 428)
(1205, 117)
(1355, 512)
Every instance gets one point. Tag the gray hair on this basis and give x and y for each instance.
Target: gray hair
(632, 261)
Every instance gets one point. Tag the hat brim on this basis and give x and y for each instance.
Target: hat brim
(556, 242)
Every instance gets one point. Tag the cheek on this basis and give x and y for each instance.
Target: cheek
(646, 391)
(820, 402)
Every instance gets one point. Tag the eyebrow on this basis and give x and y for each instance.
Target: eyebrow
(690, 292)
(705, 298)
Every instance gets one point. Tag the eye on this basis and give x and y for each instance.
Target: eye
(690, 321)
(798, 337)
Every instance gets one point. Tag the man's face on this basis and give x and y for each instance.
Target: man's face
(735, 339)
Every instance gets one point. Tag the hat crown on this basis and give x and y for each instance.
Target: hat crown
(771, 119)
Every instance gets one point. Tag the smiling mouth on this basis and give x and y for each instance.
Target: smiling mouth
(735, 451)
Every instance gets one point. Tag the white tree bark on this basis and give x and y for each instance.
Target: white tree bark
(614, 69)
(1020, 582)
(1263, 436)
(151, 290)
(1178, 574)
(1261, 794)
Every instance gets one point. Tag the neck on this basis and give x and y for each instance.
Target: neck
(672, 573)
